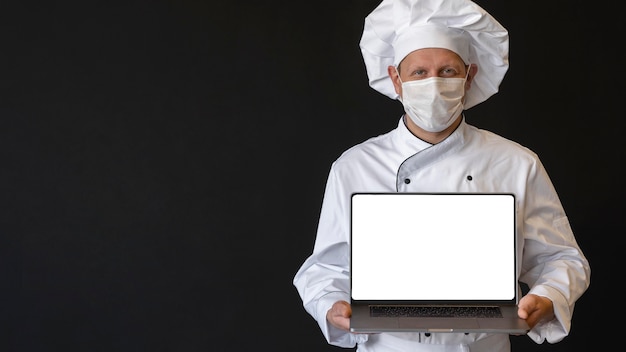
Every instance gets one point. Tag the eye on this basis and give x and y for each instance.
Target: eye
(418, 73)
(448, 72)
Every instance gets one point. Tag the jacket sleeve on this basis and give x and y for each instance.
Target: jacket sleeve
(553, 265)
(323, 278)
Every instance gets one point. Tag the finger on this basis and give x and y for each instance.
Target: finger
(522, 313)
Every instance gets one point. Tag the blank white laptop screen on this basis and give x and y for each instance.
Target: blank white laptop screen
(433, 247)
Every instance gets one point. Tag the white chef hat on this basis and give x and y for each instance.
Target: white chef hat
(397, 27)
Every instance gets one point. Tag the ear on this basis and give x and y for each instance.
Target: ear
(394, 75)
(473, 70)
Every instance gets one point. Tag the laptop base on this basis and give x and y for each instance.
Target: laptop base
(510, 323)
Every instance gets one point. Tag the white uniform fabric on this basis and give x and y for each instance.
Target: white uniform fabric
(469, 160)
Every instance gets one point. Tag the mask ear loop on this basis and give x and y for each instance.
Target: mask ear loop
(469, 66)
(400, 95)
(398, 73)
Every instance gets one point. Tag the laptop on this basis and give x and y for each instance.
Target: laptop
(434, 262)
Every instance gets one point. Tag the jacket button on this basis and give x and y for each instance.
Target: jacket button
(407, 181)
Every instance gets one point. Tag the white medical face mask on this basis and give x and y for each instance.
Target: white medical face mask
(433, 103)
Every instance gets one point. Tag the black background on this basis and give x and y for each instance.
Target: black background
(163, 162)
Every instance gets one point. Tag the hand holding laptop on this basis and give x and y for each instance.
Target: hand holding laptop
(339, 315)
(535, 309)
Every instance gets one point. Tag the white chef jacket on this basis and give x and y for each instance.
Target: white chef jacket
(550, 261)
